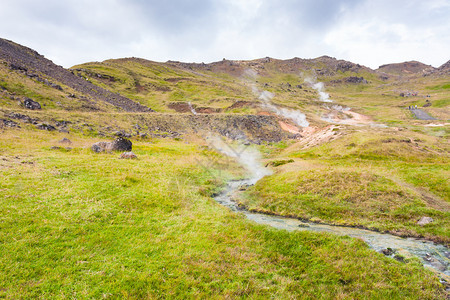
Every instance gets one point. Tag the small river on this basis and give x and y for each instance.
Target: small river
(433, 255)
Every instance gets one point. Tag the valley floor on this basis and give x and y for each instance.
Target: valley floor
(75, 224)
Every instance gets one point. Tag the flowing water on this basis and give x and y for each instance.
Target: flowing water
(433, 255)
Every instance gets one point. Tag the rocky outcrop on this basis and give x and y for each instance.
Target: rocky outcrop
(31, 104)
(45, 126)
(119, 144)
(8, 123)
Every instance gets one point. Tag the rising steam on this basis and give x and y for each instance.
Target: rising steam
(320, 88)
(192, 108)
(295, 115)
(246, 156)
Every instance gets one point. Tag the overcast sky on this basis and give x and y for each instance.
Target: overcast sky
(369, 32)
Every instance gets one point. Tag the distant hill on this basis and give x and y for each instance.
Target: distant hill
(406, 68)
(324, 65)
(445, 68)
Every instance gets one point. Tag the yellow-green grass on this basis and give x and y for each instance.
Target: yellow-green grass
(379, 179)
(74, 224)
(347, 197)
(156, 85)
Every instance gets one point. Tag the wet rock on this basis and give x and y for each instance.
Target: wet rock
(403, 255)
(31, 104)
(244, 187)
(388, 251)
(128, 155)
(424, 221)
(65, 141)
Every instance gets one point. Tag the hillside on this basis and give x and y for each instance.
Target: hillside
(242, 171)
(29, 64)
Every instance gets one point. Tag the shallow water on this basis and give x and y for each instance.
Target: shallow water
(433, 255)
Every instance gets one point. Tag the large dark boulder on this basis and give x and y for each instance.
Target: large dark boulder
(119, 144)
(30, 104)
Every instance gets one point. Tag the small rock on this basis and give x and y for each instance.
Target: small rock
(101, 147)
(424, 221)
(65, 141)
(30, 104)
(128, 155)
(303, 225)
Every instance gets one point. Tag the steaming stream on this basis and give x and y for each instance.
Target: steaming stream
(433, 255)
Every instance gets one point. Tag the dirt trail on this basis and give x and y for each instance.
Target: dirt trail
(421, 115)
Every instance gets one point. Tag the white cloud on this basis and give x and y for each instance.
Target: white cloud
(387, 35)
(367, 32)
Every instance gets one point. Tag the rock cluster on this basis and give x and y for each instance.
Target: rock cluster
(31, 104)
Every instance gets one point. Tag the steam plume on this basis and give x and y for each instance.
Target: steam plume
(246, 156)
(320, 88)
(299, 118)
(192, 108)
(295, 115)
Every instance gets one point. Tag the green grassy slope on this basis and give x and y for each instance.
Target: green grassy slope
(85, 225)
(380, 179)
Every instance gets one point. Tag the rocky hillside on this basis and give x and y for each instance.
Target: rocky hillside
(406, 68)
(28, 62)
(261, 87)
